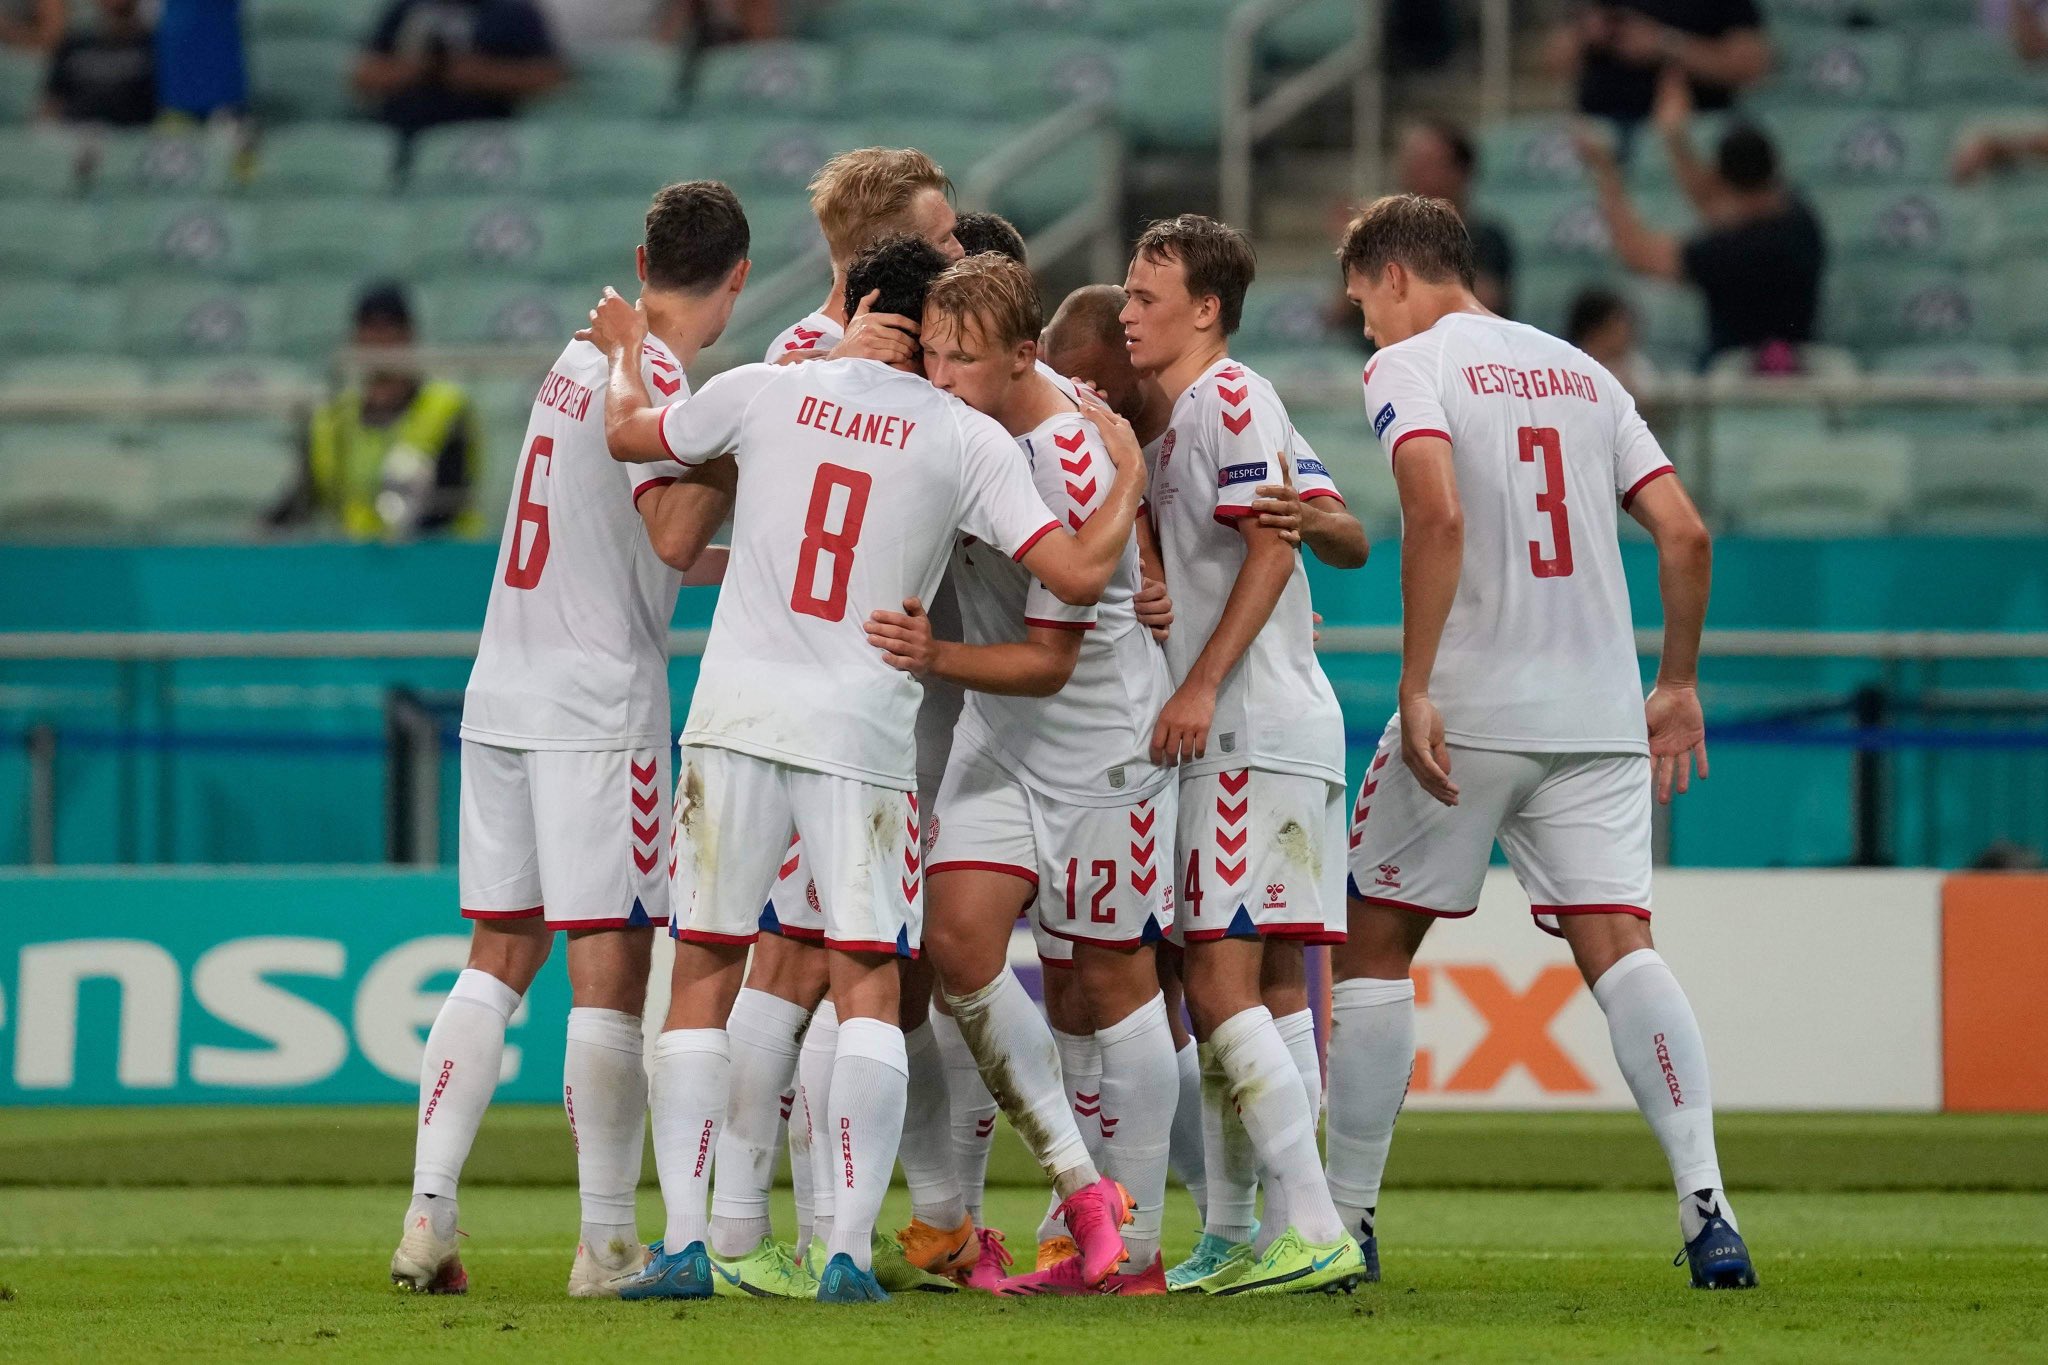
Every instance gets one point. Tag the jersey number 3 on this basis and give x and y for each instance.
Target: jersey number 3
(524, 572)
(820, 541)
(1542, 442)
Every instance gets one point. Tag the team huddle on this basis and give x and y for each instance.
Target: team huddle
(1013, 621)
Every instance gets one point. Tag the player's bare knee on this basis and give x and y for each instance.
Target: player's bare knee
(703, 984)
(865, 986)
(1380, 942)
(513, 951)
(1115, 981)
(608, 968)
(1066, 1001)
(1283, 977)
(1599, 941)
(914, 992)
(789, 970)
(1222, 981)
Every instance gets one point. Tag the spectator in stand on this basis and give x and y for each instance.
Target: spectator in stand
(1759, 254)
(104, 74)
(200, 71)
(1602, 324)
(1437, 160)
(1615, 50)
(2026, 23)
(396, 458)
(1984, 153)
(35, 25)
(580, 24)
(445, 61)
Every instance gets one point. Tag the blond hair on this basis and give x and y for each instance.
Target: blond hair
(863, 195)
(993, 290)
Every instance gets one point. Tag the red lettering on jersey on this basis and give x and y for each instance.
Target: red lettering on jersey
(564, 395)
(872, 428)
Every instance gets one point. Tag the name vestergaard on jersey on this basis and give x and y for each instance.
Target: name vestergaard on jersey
(875, 428)
(1489, 380)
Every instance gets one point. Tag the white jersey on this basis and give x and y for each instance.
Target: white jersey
(574, 652)
(815, 332)
(1086, 744)
(854, 478)
(1539, 653)
(1275, 711)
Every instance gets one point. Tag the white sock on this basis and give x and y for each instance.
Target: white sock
(1228, 1160)
(691, 1081)
(1139, 1085)
(458, 1076)
(1298, 1032)
(1185, 1154)
(972, 1110)
(814, 1072)
(1372, 1054)
(797, 1124)
(1020, 1066)
(762, 1033)
(927, 1148)
(1266, 1090)
(1657, 1043)
(1081, 1072)
(870, 1084)
(604, 1090)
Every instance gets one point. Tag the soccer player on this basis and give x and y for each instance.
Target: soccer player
(1049, 798)
(565, 758)
(1521, 708)
(796, 721)
(1256, 733)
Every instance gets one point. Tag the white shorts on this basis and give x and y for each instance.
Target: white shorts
(1575, 828)
(859, 842)
(1103, 874)
(572, 836)
(1260, 856)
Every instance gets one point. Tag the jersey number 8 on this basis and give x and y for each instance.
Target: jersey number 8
(839, 544)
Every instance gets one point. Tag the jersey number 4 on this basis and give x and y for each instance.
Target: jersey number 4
(523, 571)
(821, 542)
(1542, 443)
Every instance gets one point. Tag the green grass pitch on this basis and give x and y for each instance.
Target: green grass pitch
(264, 1234)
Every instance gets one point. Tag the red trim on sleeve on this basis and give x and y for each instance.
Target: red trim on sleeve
(1058, 625)
(646, 484)
(661, 430)
(1323, 493)
(1640, 484)
(1040, 534)
(1395, 449)
(1227, 514)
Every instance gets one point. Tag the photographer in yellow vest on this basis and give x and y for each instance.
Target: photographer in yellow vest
(395, 458)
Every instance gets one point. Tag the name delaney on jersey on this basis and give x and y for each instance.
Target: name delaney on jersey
(875, 428)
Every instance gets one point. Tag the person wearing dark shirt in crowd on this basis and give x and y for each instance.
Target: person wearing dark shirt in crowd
(396, 457)
(35, 25)
(1437, 160)
(444, 61)
(105, 74)
(1759, 256)
(1615, 50)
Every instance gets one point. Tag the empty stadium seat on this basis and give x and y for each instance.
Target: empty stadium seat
(1310, 33)
(71, 479)
(238, 376)
(1789, 484)
(1952, 360)
(626, 80)
(42, 239)
(1171, 97)
(1926, 226)
(776, 155)
(950, 75)
(516, 236)
(1322, 379)
(210, 237)
(1536, 151)
(180, 319)
(844, 19)
(1901, 306)
(34, 377)
(605, 231)
(502, 313)
(1059, 182)
(1846, 66)
(21, 84)
(219, 477)
(1292, 310)
(334, 234)
(781, 79)
(1980, 483)
(303, 78)
(151, 162)
(784, 229)
(319, 317)
(1857, 146)
(2022, 208)
(37, 162)
(1040, 73)
(346, 20)
(1968, 63)
(325, 158)
(1565, 227)
(1671, 319)
(41, 316)
(627, 157)
(491, 156)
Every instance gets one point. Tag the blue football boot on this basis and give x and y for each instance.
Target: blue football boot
(845, 1282)
(684, 1275)
(1718, 1256)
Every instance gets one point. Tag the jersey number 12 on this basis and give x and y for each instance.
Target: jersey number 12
(1542, 442)
(821, 542)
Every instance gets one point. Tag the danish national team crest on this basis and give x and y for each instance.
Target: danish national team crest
(1166, 447)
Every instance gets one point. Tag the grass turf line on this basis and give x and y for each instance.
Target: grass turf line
(525, 1145)
(238, 1273)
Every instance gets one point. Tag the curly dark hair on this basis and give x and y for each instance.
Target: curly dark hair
(903, 267)
(979, 232)
(696, 233)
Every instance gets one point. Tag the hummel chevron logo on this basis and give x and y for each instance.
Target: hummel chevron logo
(806, 338)
(1235, 397)
(1230, 872)
(1231, 843)
(1142, 853)
(1234, 782)
(667, 386)
(1081, 492)
(643, 773)
(1071, 442)
(645, 833)
(1233, 813)
(1142, 825)
(1141, 882)
(644, 802)
(1077, 467)
(1237, 423)
(787, 868)
(645, 860)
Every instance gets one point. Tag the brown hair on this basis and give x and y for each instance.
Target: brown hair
(996, 292)
(696, 233)
(1215, 257)
(862, 195)
(1425, 236)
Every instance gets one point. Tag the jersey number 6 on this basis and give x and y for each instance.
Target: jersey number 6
(525, 573)
(839, 544)
(1550, 501)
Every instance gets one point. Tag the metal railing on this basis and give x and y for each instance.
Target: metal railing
(1093, 223)
(1249, 119)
